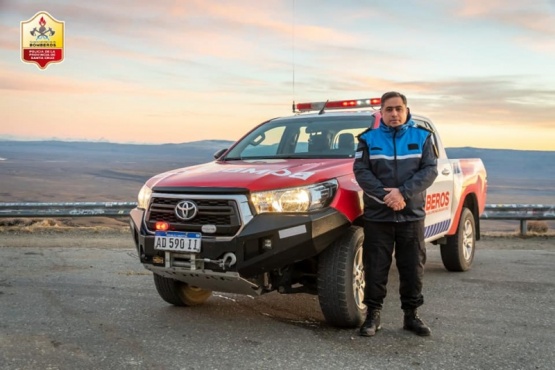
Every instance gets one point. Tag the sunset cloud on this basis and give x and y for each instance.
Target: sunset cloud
(173, 71)
(534, 16)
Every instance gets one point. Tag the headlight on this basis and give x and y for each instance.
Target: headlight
(144, 197)
(301, 199)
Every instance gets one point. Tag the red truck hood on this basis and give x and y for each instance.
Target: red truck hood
(255, 175)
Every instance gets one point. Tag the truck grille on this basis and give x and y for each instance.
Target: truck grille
(223, 213)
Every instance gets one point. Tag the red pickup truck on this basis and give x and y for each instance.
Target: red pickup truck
(280, 210)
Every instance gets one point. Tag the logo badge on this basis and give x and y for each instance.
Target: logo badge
(42, 40)
(186, 210)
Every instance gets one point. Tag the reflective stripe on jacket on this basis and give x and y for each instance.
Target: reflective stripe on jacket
(395, 157)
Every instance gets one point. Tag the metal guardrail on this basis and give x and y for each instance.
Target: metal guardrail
(66, 209)
(520, 212)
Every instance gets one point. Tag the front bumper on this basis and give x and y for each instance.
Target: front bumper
(266, 242)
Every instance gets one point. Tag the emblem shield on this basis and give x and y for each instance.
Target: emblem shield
(42, 40)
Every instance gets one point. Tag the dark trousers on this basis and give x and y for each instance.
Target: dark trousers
(380, 240)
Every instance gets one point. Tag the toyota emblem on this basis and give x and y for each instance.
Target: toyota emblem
(186, 210)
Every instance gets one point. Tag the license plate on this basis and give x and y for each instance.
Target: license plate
(176, 241)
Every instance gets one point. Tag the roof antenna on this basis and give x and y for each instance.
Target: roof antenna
(324, 107)
(293, 55)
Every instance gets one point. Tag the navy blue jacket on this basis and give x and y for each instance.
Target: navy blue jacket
(395, 157)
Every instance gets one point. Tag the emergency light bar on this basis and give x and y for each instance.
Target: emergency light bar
(339, 104)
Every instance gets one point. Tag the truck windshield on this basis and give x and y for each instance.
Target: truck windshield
(302, 137)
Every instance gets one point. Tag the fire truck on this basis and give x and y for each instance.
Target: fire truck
(280, 210)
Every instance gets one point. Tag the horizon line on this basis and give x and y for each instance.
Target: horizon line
(102, 141)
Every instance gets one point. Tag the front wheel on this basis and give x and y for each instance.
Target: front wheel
(178, 293)
(458, 253)
(341, 280)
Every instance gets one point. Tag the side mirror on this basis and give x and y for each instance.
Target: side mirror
(219, 153)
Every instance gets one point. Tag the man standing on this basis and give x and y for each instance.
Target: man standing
(394, 165)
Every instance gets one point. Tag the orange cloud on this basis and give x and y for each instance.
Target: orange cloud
(536, 17)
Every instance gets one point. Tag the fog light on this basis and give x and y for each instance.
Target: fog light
(158, 260)
(267, 244)
(162, 226)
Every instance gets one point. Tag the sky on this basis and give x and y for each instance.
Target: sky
(138, 71)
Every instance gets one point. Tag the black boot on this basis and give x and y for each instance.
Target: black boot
(371, 324)
(415, 324)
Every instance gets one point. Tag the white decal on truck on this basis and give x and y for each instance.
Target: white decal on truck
(302, 175)
(246, 170)
(280, 173)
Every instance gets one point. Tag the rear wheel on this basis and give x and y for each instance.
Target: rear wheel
(341, 280)
(458, 253)
(179, 293)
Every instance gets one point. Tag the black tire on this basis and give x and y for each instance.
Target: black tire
(458, 253)
(341, 280)
(178, 293)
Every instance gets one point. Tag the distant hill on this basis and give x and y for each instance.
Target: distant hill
(511, 164)
(514, 176)
(56, 171)
(500, 163)
(197, 151)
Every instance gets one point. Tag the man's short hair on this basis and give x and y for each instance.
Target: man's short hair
(393, 94)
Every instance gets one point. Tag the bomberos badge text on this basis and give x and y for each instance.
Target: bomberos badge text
(42, 40)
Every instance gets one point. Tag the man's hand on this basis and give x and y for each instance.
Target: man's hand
(394, 199)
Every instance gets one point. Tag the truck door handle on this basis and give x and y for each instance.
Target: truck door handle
(445, 171)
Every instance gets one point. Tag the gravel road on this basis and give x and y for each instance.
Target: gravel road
(78, 299)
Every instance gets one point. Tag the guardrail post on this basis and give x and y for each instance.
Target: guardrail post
(523, 227)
